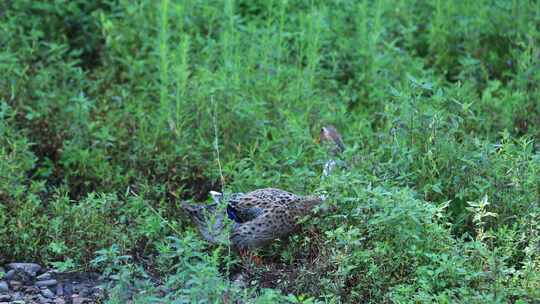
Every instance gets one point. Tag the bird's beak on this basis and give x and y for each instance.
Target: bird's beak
(216, 196)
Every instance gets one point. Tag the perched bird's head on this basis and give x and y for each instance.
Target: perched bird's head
(331, 137)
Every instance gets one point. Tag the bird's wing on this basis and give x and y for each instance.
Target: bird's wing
(246, 207)
(270, 225)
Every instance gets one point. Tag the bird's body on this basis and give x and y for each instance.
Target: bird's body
(246, 207)
(260, 217)
(263, 215)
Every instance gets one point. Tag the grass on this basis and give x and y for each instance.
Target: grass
(113, 112)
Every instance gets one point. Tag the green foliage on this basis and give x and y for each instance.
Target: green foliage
(113, 111)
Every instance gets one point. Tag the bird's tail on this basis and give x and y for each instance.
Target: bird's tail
(309, 202)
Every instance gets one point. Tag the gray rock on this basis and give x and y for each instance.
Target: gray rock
(5, 298)
(31, 290)
(85, 292)
(10, 274)
(22, 276)
(15, 285)
(77, 288)
(4, 287)
(46, 292)
(59, 301)
(44, 300)
(59, 290)
(43, 277)
(68, 289)
(46, 283)
(18, 296)
(30, 268)
(80, 300)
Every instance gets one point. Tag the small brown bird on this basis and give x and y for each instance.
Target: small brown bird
(329, 136)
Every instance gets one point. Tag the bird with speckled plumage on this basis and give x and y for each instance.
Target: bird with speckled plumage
(259, 217)
(263, 215)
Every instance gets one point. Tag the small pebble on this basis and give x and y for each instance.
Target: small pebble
(44, 300)
(43, 277)
(4, 286)
(85, 292)
(15, 285)
(22, 276)
(46, 292)
(59, 301)
(10, 274)
(68, 289)
(18, 296)
(59, 290)
(31, 289)
(46, 283)
(78, 299)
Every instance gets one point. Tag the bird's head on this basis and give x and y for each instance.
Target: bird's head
(208, 220)
(200, 214)
(329, 136)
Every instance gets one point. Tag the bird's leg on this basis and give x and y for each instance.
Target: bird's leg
(256, 259)
(246, 255)
(242, 253)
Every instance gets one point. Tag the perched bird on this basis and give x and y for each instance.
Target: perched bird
(331, 139)
(260, 216)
